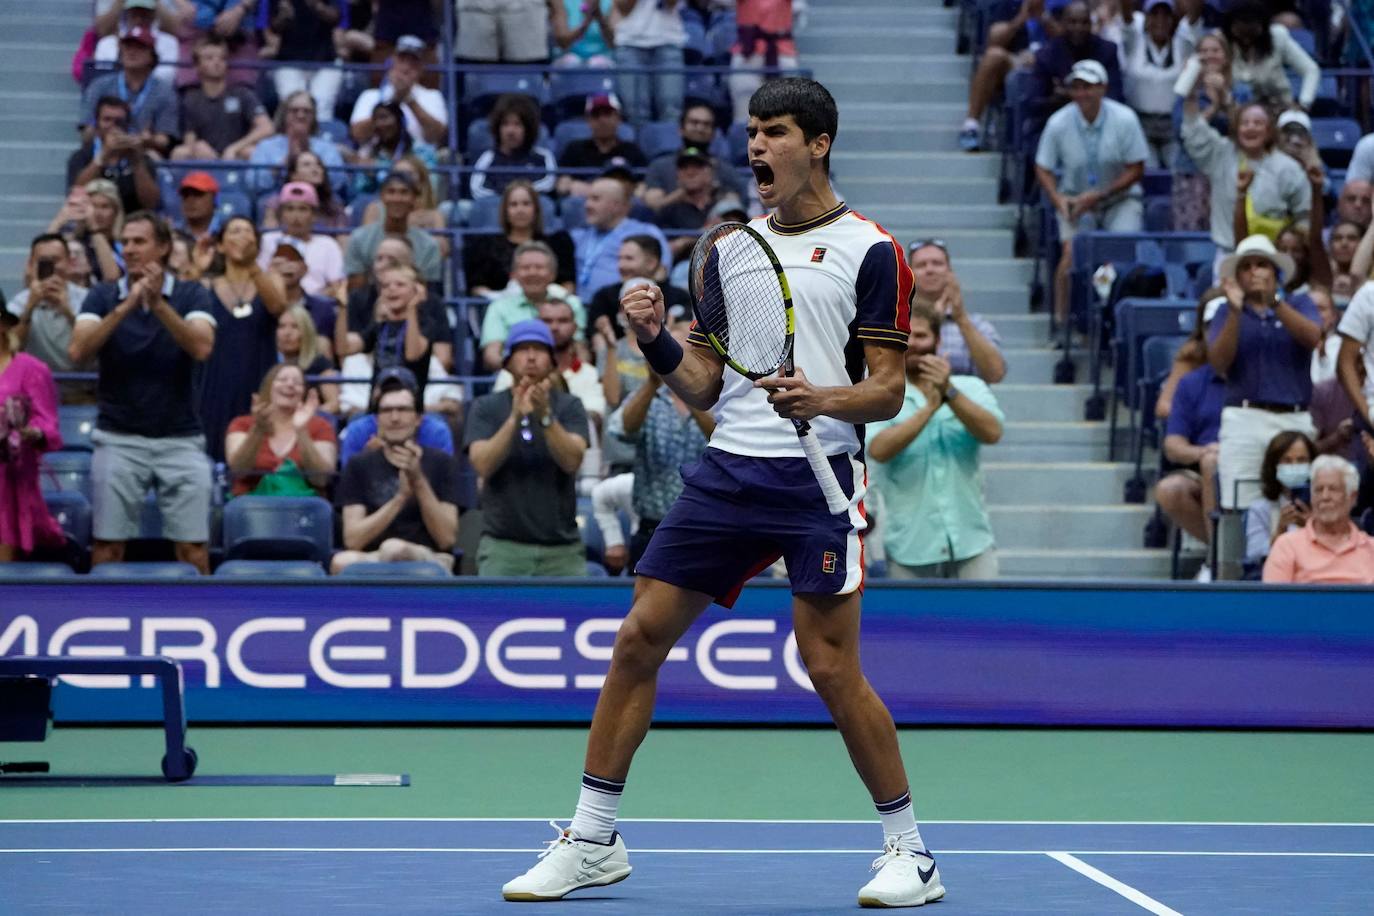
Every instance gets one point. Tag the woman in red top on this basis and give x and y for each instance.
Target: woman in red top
(282, 426)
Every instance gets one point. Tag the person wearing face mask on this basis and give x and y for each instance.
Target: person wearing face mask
(1262, 344)
(1285, 500)
(1329, 549)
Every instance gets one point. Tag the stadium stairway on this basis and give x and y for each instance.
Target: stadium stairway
(38, 107)
(1055, 500)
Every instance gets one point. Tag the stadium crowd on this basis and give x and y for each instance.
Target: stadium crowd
(303, 261)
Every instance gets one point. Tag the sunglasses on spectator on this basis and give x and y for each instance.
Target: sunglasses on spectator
(924, 243)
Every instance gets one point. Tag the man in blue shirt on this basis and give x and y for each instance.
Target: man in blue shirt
(153, 112)
(148, 330)
(597, 244)
(926, 466)
(1189, 495)
(361, 434)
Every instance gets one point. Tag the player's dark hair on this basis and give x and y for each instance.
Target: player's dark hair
(808, 102)
(928, 314)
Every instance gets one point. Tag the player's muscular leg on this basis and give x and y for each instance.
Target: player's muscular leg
(660, 615)
(828, 640)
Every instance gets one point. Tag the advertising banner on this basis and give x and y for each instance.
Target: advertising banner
(536, 651)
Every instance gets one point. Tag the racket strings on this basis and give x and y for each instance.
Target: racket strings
(740, 299)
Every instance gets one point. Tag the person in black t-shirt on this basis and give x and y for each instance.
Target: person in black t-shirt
(700, 193)
(219, 121)
(116, 155)
(149, 331)
(392, 251)
(403, 334)
(602, 150)
(399, 501)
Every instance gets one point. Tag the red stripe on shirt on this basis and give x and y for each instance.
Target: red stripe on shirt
(906, 280)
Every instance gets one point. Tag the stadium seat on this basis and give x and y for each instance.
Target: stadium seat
(278, 528)
(290, 569)
(486, 213)
(569, 88)
(577, 129)
(72, 511)
(737, 140)
(1305, 40)
(658, 138)
(357, 209)
(66, 471)
(234, 202)
(596, 571)
(574, 211)
(35, 570)
(482, 89)
(337, 131)
(411, 569)
(172, 570)
(1335, 139)
(1159, 214)
(76, 422)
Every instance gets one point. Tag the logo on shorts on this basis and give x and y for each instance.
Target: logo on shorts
(818, 255)
(828, 559)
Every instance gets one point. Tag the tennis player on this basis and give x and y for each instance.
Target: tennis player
(752, 498)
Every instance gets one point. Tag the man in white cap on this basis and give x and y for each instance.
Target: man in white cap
(1099, 146)
(425, 110)
(1262, 343)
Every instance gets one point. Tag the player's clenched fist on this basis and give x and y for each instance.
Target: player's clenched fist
(643, 307)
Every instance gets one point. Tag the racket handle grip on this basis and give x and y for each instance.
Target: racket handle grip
(835, 500)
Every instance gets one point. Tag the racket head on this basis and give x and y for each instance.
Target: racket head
(741, 300)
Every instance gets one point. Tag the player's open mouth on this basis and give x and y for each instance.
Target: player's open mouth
(763, 174)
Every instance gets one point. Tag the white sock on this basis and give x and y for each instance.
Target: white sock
(597, 805)
(899, 820)
(971, 124)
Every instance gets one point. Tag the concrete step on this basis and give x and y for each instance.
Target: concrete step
(903, 67)
(860, 41)
(43, 128)
(821, 19)
(1023, 330)
(62, 30)
(1051, 526)
(54, 76)
(42, 104)
(1046, 453)
(1032, 563)
(1071, 483)
(1035, 365)
(25, 206)
(906, 163)
(911, 197)
(983, 242)
(995, 273)
(23, 155)
(33, 179)
(928, 221)
(1049, 403)
(996, 300)
(20, 230)
(1054, 432)
(863, 83)
(12, 261)
(36, 54)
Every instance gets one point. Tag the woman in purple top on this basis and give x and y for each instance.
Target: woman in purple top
(28, 427)
(1263, 345)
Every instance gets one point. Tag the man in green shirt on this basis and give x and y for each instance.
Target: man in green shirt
(925, 466)
(534, 267)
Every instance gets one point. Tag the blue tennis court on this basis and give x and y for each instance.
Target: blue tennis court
(455, 865)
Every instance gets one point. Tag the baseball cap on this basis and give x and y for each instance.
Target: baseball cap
(1151, 4)
(410, 44)
(396, 374)
(141, 34)
(200, 181)
(290, 247)
(298, 192)
(531, 330)
(1299, 118)
(140, 5)
(1088, 71)
(693, 154)
(602, 100)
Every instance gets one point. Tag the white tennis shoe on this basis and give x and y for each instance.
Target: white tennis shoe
(902, 879)
(570, 864)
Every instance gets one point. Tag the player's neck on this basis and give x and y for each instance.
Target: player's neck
(813, 200)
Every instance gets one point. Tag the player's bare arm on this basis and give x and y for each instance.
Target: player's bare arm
(699, 377)
(877, 397)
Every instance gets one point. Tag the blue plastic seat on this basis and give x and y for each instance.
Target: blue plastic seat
(596, 571)
(481, 89)
(737, 140)
(72, 510)
(278, 528)
(76, 422)
(66, 471)
(658, 138)
(168, 570)
(290, 569)
(235, 202)
(569, 88)
(336, 131)
(573, 209)
(414, 569)
(35, 570)
(1335, 139)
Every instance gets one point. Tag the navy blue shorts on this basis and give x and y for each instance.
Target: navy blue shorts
(737, 515)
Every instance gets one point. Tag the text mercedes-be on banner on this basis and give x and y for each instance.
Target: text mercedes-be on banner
(491, 651)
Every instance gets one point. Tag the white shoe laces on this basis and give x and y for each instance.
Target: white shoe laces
(564, 837)
(891, 849)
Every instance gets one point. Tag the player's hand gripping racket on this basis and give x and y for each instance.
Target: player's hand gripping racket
(744, 307)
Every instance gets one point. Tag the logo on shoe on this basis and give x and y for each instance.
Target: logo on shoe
(926, 873)
(587, 864)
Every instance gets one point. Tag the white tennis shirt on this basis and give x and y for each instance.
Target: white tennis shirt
(850, 285)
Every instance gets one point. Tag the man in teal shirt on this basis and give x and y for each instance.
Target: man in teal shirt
(925, 468)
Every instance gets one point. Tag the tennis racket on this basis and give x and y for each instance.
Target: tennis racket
(743, 305)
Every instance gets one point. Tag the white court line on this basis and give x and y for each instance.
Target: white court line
(659, 820)
(670, 851)
(1142, 900)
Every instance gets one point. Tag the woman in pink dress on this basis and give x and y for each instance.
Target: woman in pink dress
(28, 427)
